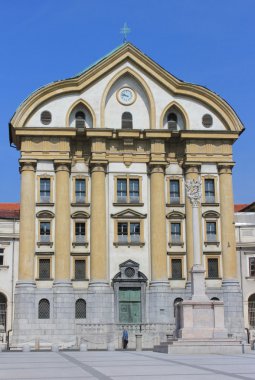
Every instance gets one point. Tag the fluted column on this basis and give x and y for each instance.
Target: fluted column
(158, 224)
(98, 255)
(62, 219)
(27, 221)
(227, 222)
(191, 173)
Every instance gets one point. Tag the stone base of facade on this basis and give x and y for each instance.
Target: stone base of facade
(101, 328)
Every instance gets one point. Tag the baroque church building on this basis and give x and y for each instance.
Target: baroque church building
(105, 223)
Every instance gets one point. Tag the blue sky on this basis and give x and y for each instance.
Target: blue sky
(208, 42)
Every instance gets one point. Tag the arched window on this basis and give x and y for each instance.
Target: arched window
(80, 309)
(251, 310)
(176, 301)
(80, 119)
(172, 121)
(127, 121)
(44, 309)
(214, 299)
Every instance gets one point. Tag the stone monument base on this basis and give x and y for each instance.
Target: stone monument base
(201, 320)
(203, 346)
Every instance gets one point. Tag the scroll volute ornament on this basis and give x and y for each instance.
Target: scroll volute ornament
(194, 191)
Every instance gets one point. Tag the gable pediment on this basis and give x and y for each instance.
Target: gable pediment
(126, 53)
(128, 214)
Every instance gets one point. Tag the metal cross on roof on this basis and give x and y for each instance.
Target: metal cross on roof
(125, 31)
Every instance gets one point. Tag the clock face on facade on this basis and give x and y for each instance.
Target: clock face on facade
(126, 96)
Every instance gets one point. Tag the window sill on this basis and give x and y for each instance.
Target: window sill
(80, 204)
(206, 243)
(179, 244)
(80, 244)
(80, 253)
(76, 280)
(176, 279)
(210, 204)
(128, 244)
(4, 267)
(175, 205)
(44, 279)
(213, 278)
(138, 204)
(246, 278)
(44, 253)
(45, 204)
(45, 243)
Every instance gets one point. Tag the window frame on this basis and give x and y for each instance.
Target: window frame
(216, 195)
(75, 260)
(76, 308)
(39, 302)
(250, 259)
(129, 241)
(128, 178)
(172, 258)
(211, 217)
(170, 202)
(74, 200)
(51, 199)
(213, 257)
(44, 257)
(127, 121)
(2, 255)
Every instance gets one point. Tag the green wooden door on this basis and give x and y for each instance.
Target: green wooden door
(130, 305)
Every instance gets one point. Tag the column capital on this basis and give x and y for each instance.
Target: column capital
(27, 165)
(225, 168)
(62, 165)
(193, 168)
(98, 166)
(157, 167)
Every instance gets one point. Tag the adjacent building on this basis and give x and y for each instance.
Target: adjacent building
(106, 227)
(9, 251)
(245, 245)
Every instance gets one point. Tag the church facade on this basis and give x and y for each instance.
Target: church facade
(105, 223)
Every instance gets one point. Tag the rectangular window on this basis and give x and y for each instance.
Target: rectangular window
(80, 270)
(252, 266)
(1, 256)
(176, 232)
(174, 191)
(135, 232)
(45, 190)
(122, 190)
(128, 190)
(213, 269)
(176, 269)
(45, 232)
(209, 191)
(80, 190)
(122, 232)
(80, 232)
(44, 269)
(134, 190)
(211, 231)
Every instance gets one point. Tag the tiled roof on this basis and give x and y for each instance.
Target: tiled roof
(9, 210)
(245, 207)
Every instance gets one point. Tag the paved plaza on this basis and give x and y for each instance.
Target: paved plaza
(124, 365)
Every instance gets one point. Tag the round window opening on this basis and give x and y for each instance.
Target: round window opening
(207, 120)
(46, 117)
(130, 272)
